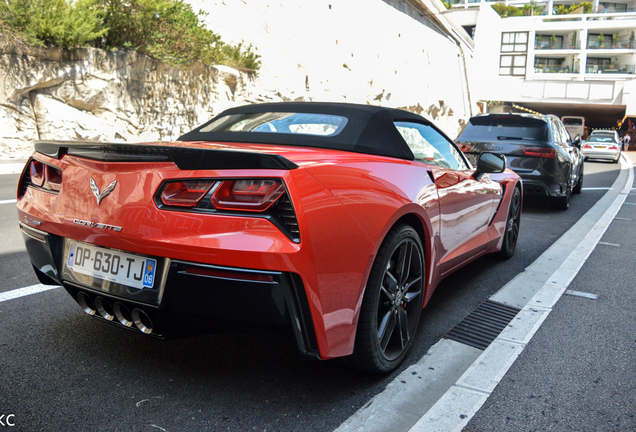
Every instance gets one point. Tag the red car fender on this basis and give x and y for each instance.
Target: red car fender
(509, 180)
(358, 190)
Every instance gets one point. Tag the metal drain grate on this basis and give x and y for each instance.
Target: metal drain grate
(483, 324)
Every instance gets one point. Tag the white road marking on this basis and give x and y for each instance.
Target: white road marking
(453, 411)
(22, 292)
(609, 244)
(595, 188)
(9, 201)
(582, 294)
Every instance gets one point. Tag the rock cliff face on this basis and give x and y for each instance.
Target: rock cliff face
(96, 95)
(386, 54)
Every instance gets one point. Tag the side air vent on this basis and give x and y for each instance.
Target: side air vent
(284, 212)
(304, 316)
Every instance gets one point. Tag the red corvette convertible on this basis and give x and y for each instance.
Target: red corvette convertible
(336, 221)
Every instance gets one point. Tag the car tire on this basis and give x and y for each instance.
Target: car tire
(579, 184)
(392, 303)
(562, 202)
(511, 235)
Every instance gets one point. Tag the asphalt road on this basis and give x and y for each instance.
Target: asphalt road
(62, 370)
(578, 372)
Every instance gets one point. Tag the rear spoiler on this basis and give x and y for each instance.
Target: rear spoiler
(186, 158)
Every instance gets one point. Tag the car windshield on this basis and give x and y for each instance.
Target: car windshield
(280, 122)
(572, 121)
(504, 127)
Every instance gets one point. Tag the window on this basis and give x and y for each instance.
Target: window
(499, 128)
(514, 42)
(614, 7)
(431, 147)
(512, 65)
(280, 122)
(514, 48)
(562, 134)
(572, 121)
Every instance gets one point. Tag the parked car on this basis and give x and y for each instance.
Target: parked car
(537, 147)
(602, 144)
(333, 221)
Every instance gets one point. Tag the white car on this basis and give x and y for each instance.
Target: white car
(602, 145)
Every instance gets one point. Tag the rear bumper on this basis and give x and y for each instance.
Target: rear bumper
(602, 155)
(542, 186)
(190, 297)
(534, 189)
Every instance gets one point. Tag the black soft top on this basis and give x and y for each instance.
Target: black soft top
(369, 129)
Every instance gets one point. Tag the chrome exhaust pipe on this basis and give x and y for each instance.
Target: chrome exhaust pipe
(86, 303)
(104, 308)
(123, 315)
(142, 321)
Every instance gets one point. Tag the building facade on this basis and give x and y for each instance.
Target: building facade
(575, 63)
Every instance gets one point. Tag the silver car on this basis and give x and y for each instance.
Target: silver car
(602, 145)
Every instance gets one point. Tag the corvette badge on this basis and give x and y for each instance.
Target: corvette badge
(107, 190)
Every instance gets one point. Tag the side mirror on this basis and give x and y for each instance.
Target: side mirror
(576, 142)
(489, 163)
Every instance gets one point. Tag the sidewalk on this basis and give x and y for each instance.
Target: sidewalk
(579, 370)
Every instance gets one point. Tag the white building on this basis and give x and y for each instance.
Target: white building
(569, 64)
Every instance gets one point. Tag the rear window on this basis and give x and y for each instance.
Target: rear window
(571, 121)
(606, 138)
(279, 122)
(494, 128)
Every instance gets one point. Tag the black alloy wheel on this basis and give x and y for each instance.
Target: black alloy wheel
(511, 235)
(392, 303)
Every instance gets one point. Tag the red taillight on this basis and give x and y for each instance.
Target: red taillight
(36, 171)
(613, 148)
(587, 146)
(53, 178)
(185, 193)
(249, 195)
(45, 176)
(546, 153)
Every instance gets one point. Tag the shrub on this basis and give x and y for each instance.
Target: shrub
(562, 9)
(54, 22)
(168, 30)
(505, 11)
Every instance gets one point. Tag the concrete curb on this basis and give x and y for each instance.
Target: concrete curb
(453, 410)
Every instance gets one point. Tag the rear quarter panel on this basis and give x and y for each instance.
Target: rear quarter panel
(377, 194)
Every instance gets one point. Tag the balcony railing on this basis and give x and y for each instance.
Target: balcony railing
(611, 69)
(553, 69)
(610, 45)
(587, 17)
(557, 45)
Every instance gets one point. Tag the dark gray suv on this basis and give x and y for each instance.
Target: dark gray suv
(537, 147)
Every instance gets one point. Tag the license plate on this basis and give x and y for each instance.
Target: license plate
(126, 269)
(600, 147)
